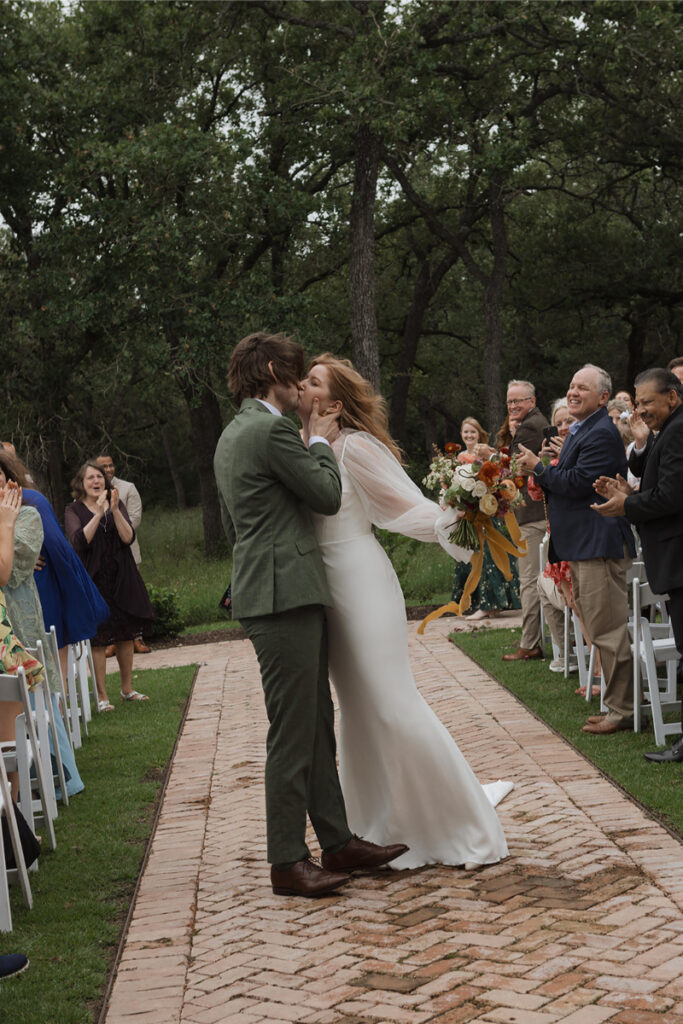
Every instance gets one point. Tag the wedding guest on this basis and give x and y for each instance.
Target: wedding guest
(21, 594)
(130, 496)
(553, 589)
(98, 526)
(526, 425)
(493, 593)
(12, 652)
(657, 509)
(676, 367)
(626, 397)
(598, 550)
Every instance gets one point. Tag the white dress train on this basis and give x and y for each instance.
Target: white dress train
(402, 774)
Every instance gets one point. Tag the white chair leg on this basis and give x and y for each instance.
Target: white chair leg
(20, 871)
(74, 715)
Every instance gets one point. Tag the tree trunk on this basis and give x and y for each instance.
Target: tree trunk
(493, 298)
(425, 289)
(639, 320)
(205, 429)
(169, 451)
(364, 347)
(54, 471)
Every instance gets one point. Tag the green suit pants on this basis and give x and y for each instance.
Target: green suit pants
(301, 769)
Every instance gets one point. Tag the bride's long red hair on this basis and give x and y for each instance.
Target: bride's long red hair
(362, 407)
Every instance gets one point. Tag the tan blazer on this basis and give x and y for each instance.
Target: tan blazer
(129, 495)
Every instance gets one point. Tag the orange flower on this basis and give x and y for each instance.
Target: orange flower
(489, 473)
(451, 447)
(519, 482)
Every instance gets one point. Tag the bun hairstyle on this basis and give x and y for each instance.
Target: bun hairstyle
(362, 407)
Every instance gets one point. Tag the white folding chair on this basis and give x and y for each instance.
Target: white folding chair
(85, 667)
(76, 711)
(652, 648)
(51, 643)
(653, 651)
(18, 873)
(41, 699)
(586, 663)
(23, 754)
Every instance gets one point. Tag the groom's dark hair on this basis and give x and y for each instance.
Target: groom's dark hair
(249, 375)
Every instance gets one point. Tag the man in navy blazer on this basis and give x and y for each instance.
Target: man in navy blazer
(657, 508)
(599, 550)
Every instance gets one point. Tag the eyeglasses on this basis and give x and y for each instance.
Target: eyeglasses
(519, 401)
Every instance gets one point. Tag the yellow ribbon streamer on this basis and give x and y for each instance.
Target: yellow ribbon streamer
(501, 549)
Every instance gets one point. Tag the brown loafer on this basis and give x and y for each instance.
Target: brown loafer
(305, 878)
(140, 647)
(524, 654)
(595, 718)
(110, 650)
(361, 854)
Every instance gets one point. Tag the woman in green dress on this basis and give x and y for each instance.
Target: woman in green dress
(493, 593)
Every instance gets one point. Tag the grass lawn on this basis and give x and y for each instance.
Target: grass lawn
(551, 697)
(83, 889)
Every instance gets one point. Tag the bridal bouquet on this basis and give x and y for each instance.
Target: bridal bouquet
(480, 488)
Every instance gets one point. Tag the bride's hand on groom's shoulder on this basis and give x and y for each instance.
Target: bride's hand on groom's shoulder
(323, 424)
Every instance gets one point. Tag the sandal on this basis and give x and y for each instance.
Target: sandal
(105, 705)
(133, 695)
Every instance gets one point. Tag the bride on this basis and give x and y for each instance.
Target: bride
(401, 772)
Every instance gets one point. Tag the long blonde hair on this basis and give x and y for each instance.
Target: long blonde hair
(362, 408)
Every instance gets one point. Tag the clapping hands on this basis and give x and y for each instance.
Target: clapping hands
(615, 491)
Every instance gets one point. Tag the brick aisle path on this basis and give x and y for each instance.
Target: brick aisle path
(582, 924)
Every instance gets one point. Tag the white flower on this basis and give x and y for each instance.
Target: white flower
(479, 489)
(488, 504)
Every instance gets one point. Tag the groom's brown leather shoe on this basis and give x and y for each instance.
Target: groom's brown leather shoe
(305, 878)
(361, 854)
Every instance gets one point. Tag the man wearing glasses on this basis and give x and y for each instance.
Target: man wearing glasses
(527, 423)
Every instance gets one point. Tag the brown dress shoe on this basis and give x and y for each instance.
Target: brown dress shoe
(524, 654)
(140, 647)
(110, 650)
(595, 718)
(305, 878)
(359, 853)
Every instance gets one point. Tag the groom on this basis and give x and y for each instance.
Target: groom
(268, 482)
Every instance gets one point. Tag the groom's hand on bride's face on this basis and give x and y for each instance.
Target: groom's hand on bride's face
(323, 424)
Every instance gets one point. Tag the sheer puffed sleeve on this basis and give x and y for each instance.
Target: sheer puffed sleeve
(28, 540)
(390, 498)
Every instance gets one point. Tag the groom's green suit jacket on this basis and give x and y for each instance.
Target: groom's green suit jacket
(267, 483)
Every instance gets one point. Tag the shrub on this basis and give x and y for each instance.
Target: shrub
(167, 621)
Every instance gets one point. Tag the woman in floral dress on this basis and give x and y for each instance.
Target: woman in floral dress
(493, 593)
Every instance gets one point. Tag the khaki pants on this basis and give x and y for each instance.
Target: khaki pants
(529, 568)
(599, 586)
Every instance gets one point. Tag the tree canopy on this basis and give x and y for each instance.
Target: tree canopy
(451, 194)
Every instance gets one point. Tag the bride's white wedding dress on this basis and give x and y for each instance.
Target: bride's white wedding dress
(403, 777)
